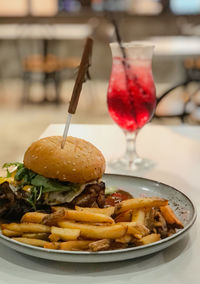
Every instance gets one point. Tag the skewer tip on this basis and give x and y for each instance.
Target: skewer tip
(63, 143)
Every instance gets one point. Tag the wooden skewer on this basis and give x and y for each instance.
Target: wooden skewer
(80, 79)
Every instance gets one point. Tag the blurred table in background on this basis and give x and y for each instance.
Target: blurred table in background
(173, 46)
(44, 31)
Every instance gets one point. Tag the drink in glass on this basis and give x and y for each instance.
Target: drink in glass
(131, 95)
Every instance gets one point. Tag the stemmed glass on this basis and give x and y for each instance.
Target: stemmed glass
(131, 97)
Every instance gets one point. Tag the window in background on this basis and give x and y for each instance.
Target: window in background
(13, 8)
(144, 7)
(185, 6)
(44, 7)
(69, 5)
(115, 5)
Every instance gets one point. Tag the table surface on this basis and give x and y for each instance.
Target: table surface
(44, 31)
(176, 153)
(176, 45)
(165, 46)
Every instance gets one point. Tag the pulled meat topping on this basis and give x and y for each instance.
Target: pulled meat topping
(92, 196)
(12, 204)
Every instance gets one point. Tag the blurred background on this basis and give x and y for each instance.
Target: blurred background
(41, 43)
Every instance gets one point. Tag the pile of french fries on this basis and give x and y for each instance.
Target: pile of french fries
(133, 222)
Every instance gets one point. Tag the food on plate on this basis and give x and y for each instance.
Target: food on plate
(56, 199)
(136, 203)
(170, 217)
(109, 211)
(75, 215)
(26, 228)
(32, 242)
(62, 231)
(50, 176)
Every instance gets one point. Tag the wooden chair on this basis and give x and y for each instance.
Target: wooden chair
(50, 66)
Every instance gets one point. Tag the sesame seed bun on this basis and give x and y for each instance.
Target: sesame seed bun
(78, 162)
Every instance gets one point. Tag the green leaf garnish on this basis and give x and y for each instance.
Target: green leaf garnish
(8, 173)
(16, 164)
(39, 184)
(8, 165)
(50, 185)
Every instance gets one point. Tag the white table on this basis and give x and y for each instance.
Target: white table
(44, 31)
(176, 152)
(176, 46)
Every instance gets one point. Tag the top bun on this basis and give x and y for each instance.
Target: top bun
(78, 162)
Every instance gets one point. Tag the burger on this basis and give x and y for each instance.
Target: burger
(51, 176)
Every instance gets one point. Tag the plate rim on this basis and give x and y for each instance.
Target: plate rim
(117, 251)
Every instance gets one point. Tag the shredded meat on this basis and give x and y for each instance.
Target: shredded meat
(156, 222)
(162, 225)
(92, 196)
(12, 204)
(100, 245)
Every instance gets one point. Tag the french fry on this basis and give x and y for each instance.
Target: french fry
(54, 238)
(33, 242)
(148, 239)
(70, 245)
(170, 217)
(53, 245)
(65, 234)
(40, 236)
(9, 233)
(100, 245)
(96, 232)
(75, 245)
(126, 239)
(136, 203)
(137, 230)
(125, 216)
(138, 216)
(68, 214)
(85, 216)
(33, 217)
(26, 228)
(109, 211)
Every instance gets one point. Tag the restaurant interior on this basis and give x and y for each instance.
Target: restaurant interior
(100, 141)
(41, 44)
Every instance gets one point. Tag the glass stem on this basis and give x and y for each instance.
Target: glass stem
(131, 154)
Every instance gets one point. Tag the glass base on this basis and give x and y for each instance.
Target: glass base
(123, 165)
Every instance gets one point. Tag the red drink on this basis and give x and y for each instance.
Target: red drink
(131, 93)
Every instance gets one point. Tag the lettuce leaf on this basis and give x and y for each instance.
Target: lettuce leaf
(50, 185)
(40, 184)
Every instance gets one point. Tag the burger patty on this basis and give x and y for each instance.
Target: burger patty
(92, 196)
(13, 204)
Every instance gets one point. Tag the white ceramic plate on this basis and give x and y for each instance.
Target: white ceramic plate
(180, 203)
